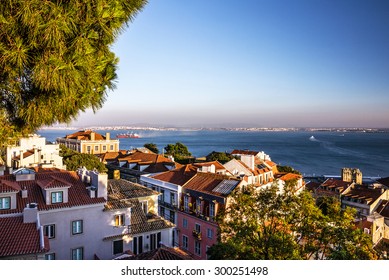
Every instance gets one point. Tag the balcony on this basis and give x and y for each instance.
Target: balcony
(172, 206)
(197, 234)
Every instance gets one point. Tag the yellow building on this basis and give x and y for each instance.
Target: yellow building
(89, 142)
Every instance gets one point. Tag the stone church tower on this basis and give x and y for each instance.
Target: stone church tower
(352, 175)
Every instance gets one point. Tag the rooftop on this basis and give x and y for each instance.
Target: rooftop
(18, 238)
(178, 176)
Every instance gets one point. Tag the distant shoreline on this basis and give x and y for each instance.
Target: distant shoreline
(248, 129)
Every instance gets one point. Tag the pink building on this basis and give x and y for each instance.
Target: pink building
(202, 198)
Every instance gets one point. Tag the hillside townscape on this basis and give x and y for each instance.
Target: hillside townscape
(85, 198)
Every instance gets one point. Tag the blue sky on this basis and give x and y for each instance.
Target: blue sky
(252, 63)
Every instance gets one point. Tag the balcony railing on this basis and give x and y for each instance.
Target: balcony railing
(172, 206)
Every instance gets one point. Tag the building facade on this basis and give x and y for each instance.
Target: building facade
(33, 151)
(89, 142)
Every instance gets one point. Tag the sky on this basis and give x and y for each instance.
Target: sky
(212, 63)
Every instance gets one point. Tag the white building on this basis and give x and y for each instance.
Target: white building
(33, 151)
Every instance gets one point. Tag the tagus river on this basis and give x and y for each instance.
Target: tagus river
(323, 154)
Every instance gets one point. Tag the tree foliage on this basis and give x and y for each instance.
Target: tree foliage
(219, 156)
(288, 169)
(152, 147)
(268, 225)
(74, 160)
(55, 59)
(177, 150)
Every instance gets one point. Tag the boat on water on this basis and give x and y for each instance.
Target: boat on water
(127, 135)
(312, 138)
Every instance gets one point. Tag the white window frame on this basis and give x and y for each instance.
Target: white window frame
(77, 227)
(185, 242)
(186, 203)
(78, 253)
(5, 202)
(49, 231)
(56, 197)
(197, 228)
(212, 210)
(197, 247)
(50, 256)
(119, 220)
(209, 233)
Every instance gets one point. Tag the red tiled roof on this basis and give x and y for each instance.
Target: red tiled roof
(207, 182)
(364, 193)
(287, 176)
(178, 176)
(7, 186)
(77, 193)
(84, 135)
(111, 156)
(18, 238)
(163, 253)
(217, 164)
(244, 152)
(25, 154)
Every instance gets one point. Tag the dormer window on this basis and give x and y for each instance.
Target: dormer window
(5, 203)
(57, 197)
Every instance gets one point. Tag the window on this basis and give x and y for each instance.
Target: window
(50, 231)
(211, 210)
(185, 223)
(137, 245)
(56, 197)
(78, 254)
(172, 217)
(198, 205)
(185, 242)
(88, 148)
(197, 228)
(206, 251)
(155, 240)
(5, 202)
(104, 148)
(186, 203)
(162, 211)
(162, 196)
(197, 248)
(117, 247)
(119, 220)
(111, 147)
(172, 199)
(50, 256)
(144, 206)
(209, 233)
(96, 148)
(77, 227)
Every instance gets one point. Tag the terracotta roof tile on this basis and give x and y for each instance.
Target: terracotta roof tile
(77, 193)
(162, 253)
(84, 135)
(18, 238)
(178, 176)
(208, 183)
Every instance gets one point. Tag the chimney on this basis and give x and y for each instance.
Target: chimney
(107, 136)
(24, 193)
(92, 136)
(30, 213)
(36, 160)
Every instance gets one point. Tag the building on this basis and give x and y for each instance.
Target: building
(352, 175)
(136, 163)
(259, 155)
(89, 142)
(365, 199)
(332, 187)
(79, 215)
(33, 151)
(135, 210)
(169, 184)
(203, 197)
